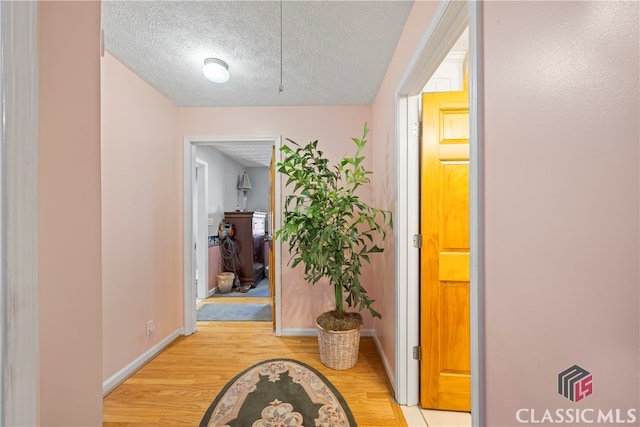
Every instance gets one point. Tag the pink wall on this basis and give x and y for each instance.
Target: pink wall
(141, 214)
(561, 195)
(333, 127)
(69, 214)
(383, 142)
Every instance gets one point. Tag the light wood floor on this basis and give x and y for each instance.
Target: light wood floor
(178, 385)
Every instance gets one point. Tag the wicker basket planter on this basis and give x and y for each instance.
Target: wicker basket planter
(338, 349)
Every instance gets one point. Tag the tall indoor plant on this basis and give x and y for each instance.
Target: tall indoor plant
(330, 230)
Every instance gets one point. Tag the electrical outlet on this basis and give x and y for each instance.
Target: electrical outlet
(150, 327)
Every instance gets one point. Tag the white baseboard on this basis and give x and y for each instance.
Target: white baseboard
(312, 332)
(132, 367)
(385, 363)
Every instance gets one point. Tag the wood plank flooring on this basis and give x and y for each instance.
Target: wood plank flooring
(178, 385)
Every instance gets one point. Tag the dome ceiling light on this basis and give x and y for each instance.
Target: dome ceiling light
(216, 70)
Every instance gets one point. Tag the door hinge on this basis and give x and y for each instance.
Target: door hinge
(417, 352)
(417, 129)
(417, 240)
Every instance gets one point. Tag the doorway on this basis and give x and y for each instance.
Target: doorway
(272, 143)
(237, 287)
(449, 21)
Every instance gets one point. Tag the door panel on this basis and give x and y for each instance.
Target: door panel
(445, 381)
(454, 223)
(454, 266)
(455, 320)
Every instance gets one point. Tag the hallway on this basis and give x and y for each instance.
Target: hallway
(177, 386)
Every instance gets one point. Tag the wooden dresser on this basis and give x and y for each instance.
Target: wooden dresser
(249, 237)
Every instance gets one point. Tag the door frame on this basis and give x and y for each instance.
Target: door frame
(189, 159)
(448, 22)
(202, 252)
(19, 312)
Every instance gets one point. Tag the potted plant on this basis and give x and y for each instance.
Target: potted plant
(331, 232)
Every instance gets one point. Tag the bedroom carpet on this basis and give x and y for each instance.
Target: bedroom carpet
(260, 291)
(234, 312)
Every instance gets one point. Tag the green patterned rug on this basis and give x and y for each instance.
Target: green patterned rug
(278, 392)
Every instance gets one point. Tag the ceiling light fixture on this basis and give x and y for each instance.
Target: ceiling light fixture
(216, 70)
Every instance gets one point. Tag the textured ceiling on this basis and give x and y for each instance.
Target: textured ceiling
(248, 155)
(334, 52)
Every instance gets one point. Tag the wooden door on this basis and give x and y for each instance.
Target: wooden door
(271, 231)
(445, 375)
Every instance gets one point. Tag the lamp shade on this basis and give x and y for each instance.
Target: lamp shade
(245, 184)
(216, 70)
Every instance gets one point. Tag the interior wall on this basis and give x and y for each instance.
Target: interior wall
(333, 127)
(141, 216)
(224, 176)
(258, 197)
(70, 311)
(561, 224)
(383, 142)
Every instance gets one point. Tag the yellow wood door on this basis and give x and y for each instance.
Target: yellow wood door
(445, 375)
(271, 230)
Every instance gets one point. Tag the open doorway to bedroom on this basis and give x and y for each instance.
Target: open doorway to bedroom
(233, 274)
(232, 252)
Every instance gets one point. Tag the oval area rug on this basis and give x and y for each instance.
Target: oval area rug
(282, 392)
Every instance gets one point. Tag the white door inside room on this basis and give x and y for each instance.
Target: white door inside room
(201, 221)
